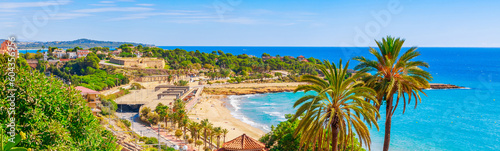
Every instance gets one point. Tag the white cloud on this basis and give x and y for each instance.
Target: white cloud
(8, 24)
(113, 9)
(107, 2)
(240, 20)
(175, 14)
(14, 5)
(63, 16)
(145, 4)
(102, 4)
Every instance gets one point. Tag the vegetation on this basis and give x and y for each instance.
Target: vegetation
(181, 83)
(52, 115)
(86, 72)
(395, 77)
(281, 137)
(331, 116)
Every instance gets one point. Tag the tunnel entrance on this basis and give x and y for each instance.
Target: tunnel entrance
(128, 108)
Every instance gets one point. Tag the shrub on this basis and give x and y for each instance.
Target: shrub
(54, 117)
(126, 122)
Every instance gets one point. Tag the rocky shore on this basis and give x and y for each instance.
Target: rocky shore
(444, 86)
(243, 91)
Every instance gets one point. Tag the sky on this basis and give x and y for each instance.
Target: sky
(423, 23)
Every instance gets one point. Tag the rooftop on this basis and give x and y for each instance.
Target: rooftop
(84, 90)
(243, 142)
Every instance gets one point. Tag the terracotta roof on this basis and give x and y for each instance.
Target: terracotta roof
(301, 56)
(84, 90)
(243, 142)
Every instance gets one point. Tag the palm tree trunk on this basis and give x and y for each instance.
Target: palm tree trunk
(335, 138)
(388, 118)
(205, 138)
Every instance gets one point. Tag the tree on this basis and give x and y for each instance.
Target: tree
(218, 133)
(145, 111)
(224, 132)
(204, 126)
(395, 77)
(278, 74)
(330, 117)
(178, 133)
(198, 143)
(282, 136)
(194, 128)
(153, 118)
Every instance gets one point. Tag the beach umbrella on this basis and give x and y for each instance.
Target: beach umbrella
(176, 147)
(185, 147)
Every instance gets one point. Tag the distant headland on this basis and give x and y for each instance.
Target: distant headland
(83, 43)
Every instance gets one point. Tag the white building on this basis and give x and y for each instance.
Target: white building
(71, 55)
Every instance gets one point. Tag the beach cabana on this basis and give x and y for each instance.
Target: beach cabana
(243, 143)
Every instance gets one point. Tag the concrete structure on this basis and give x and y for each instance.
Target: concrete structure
(92, 98)
(169, 86)
(139, 62)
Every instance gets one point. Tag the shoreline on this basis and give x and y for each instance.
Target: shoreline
(251, 88)
(213, 108)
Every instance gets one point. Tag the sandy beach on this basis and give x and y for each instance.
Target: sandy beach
(214, 110)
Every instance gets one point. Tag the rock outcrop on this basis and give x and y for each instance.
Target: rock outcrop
(444, 86)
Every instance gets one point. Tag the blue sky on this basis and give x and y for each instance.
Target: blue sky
(424, 23)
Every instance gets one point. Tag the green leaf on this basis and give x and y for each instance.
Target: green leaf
(9, 144)
(18, 149)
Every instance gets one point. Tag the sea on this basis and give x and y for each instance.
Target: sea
(453, 119)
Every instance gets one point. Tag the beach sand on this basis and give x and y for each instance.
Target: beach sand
(214, 110)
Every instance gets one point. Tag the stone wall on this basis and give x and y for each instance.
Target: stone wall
(139, 62)
(163, 78)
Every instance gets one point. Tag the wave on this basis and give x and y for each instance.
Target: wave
(245, 119)
(281, 116)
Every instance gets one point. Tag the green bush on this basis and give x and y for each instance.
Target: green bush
(53, 116)
(126, 122)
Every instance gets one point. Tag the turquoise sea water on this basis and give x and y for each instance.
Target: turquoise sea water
(461, 119)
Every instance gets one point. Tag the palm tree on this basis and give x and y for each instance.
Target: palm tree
(204, 126)
(218, 133)
(395, 77)
(185, 122)
(225, 131)
(330, 117)
(194, 128)
(210, 130)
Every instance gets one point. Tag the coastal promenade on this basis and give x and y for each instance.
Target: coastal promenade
(143, 129)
